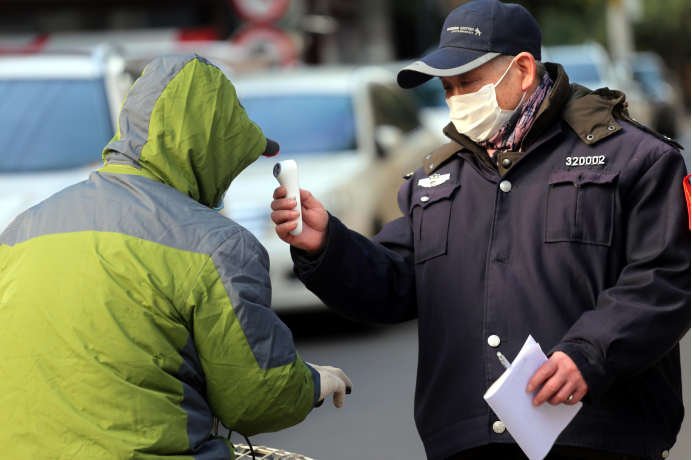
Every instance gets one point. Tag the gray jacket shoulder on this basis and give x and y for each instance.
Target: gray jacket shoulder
(9, 235)
(131, 205)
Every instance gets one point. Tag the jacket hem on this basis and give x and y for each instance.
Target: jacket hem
(584, 431)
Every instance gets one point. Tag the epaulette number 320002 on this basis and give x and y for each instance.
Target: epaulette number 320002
(581, 161)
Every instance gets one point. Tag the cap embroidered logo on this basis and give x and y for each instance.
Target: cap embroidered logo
(463, 30)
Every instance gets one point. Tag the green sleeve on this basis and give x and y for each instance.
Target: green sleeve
(255, 379)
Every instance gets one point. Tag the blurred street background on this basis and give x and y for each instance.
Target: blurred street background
(318, 76)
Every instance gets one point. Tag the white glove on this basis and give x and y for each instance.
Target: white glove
(333, 380)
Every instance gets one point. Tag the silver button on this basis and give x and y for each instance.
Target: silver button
(505, 186)
(425, 198)
(611, 128)
(590, 137)
(494, 341)
(665, 454)
(428, 157)
(431, 166)
(499, 427)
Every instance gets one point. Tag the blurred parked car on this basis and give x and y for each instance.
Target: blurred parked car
(650, 71)
(57, 112)
(590, 66)
(353, 133)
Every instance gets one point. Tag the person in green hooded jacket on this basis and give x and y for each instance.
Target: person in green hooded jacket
(131, 312)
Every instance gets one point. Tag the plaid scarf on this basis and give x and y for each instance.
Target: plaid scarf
(509, 137)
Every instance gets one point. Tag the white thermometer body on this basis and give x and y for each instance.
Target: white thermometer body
(286, 172)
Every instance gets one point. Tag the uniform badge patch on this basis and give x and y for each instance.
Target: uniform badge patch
(434, 180)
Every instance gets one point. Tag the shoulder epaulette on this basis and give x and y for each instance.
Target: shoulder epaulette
(438, 156)
(670, 141)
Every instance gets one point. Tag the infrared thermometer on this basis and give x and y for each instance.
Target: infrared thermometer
(286, 172)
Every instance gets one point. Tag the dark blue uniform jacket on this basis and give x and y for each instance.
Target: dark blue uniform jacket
(586, 247)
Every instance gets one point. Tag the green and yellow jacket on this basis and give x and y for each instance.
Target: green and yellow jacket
(131, 313)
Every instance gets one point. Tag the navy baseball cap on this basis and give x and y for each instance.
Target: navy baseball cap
(472, 35)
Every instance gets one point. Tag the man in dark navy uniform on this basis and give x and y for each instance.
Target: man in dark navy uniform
(550, 212)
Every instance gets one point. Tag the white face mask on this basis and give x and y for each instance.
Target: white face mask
(477, 115)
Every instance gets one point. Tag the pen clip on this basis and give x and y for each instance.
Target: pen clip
(503, 360)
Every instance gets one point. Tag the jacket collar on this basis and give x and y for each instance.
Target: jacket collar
(552, 106)
(591, 114)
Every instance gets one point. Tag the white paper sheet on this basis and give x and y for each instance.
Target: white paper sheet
(535, 429)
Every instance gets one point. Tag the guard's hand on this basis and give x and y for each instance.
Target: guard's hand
(313, 238)
(560, 378)
(333, 381)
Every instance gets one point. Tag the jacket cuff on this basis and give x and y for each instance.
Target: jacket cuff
(318, 385)
(311, 265)
(305, 259)
(593, 367)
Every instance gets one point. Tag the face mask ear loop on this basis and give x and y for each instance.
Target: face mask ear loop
(522, 100)
(503, 75)
(502, 78)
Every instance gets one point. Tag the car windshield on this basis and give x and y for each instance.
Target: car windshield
(52, 124)
(581, 72)
(305, 123)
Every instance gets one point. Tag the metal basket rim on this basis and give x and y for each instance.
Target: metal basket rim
(264, 450)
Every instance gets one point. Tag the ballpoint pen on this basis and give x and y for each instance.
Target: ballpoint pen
(503, 360)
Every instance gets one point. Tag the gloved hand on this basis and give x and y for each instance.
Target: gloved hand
(333, 380)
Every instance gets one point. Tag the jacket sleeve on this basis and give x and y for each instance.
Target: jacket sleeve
(364, 280)
(646, 313)
(255, 380)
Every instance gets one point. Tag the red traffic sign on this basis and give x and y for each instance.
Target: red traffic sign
(273, 41)
(260, 11)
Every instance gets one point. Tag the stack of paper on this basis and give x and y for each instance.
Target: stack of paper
(535, 429)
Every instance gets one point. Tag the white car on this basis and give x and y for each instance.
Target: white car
(353, 133)
(57, 112)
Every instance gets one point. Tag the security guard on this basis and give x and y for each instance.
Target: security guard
(552, 213)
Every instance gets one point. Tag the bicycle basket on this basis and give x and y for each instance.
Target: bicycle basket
(265, 453)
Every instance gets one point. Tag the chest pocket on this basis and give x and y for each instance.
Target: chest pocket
(580, 207)
(430, 212)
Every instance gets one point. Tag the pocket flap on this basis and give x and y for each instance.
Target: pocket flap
(424, 197)
(583, 177)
